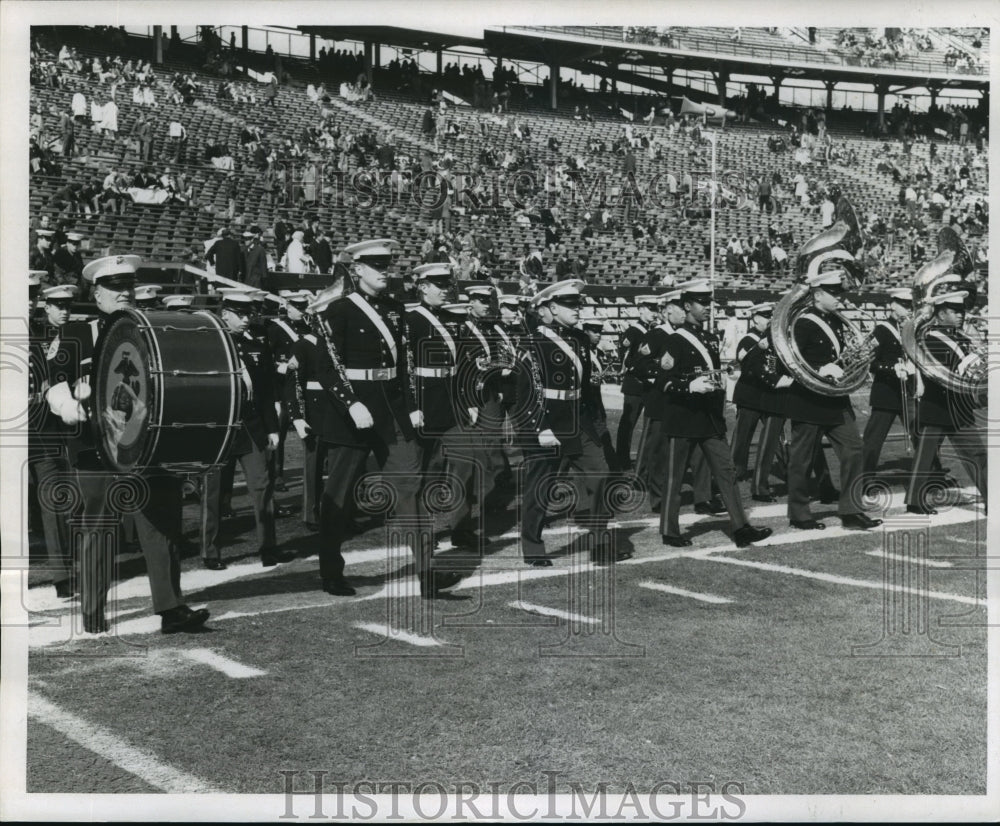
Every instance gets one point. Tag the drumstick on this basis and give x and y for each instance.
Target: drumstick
(226, 282)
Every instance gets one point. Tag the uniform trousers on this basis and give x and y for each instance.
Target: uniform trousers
(652, 462)
(746, 423)
(260, 489)
(400, 464)
(158, 524)
(877, 428)
(314, 457)
(767, 449)
(806, 438)
(281, 408)
(968, 443)
(53, 469)
(631, 410)
(720, 464)
(542, 467)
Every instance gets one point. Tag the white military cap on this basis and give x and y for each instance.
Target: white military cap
(568, 291)
(61, 292)
(112, 270)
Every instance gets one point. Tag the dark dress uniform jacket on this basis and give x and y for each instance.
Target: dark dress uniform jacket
(227, 256)
(647, 369)
(282, 335)
(480, 341)
(886, 393)
(317, 405)
(255, 265)
(939, 406)
(67, 266)
(560, 364)
(259, 416)
(686, 414)
(759, 372)
(632, 338)
(45, 348)
(358, 344)
(434, 395)
(75, 360)
(817, 348)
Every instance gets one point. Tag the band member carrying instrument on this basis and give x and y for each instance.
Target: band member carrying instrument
(893, 383)
(363, 365)
(158, 521)
(693, 417)
(562, 420)
(759, 397)
(953, 371)
(594, 328)
(282, 333)
(633, 389)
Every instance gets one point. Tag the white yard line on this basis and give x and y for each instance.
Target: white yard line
(231, 668)
(102, 742)
(681, 592)
(545, 611)
(835, 579)
(930, 563)
(396, 634)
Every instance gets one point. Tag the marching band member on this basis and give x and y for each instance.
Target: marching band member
(758, 398)
(942, 412)
(282, 334)
(633, 389)
(257, 438)
(47, 437)
(564, 424)
(158, 522)
(446, 423)
(653, 445)
(364, 367)
(594, 328)
(693, 417)
(893, 381)
(820, 340)
(146, 296)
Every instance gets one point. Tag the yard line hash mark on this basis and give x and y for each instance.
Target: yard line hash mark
(231, 668)
(681, 592)
(102, 742)
(545, 611)
(930, 563)
(397, 634)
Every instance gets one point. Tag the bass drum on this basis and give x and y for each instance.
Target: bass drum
(166, 392)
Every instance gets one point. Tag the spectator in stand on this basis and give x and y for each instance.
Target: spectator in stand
(321, 252)
(142, 132)
(827, 209)
(68, 263)
(296, 259)
(79, 107)
(764, 194)
(41, 255)
(226, 255)
(254, 257)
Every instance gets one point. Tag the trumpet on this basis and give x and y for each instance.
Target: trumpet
(716, 376)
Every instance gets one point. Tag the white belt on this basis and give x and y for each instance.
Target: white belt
(434, 372)
(313, 385)
(378, 374)
(562, 395)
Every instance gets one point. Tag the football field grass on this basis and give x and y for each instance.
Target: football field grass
(819, 662)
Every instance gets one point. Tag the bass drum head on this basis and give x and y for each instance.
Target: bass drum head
(124, 394)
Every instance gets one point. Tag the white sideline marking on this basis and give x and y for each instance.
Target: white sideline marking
(105, 744)
(231, 668)
(834, 579)
(930, 563)
(397, 634)
(681, 592)
(545, 611)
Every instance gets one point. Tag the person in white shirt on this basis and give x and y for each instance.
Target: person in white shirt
(826, 212)
(296, 259)
(79, 106)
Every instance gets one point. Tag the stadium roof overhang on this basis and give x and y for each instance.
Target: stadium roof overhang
(416, 39)
(571, 50)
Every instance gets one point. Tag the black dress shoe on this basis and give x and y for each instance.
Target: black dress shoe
(339, 588)
(766, 497)
(281, 511)
(182, 618)
(713, 507)
(921, 509)
(538, 561)
(807, 524)
(214, 564)
(859, 522)
(434, 582)
(64, 590)
(677, 541)
(748, 533)
(829, 497)
(280, 486)
(271, 558)
(607, 557)
(467, 539)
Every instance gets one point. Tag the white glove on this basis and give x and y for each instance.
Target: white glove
(272, 441)
(361, 416)
(783, 382)
(831, 370)
(473, 414)
(901, 371)
(702, 384)
(63, 405)
(81, 390)
(282, 367)
(918, 391)
(301, 428)
(417, 418)
(548, 439)
(293, 363)
(763, 344)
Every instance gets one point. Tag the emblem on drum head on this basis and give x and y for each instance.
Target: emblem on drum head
(125, 413)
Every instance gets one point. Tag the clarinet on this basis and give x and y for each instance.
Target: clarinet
(319, 327)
